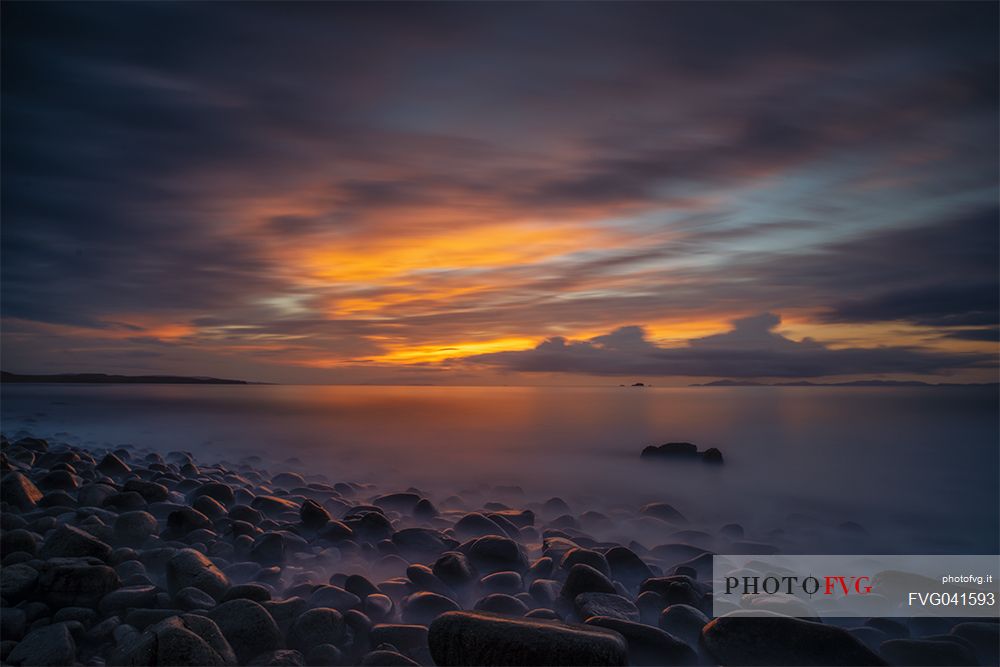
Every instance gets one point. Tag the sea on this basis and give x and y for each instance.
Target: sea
(905, 470)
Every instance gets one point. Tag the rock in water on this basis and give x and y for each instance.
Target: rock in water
(927, 652)
(178, 640)
(17, 581)
(314, 515)
(585, 579)
(315, 627)
(248, 628)
(772, 639)
(70, 584)
(605, 604)
(49, 645)
(648, 645)
(20, 492)
(192, 568)
(134, 528)
(479, 638)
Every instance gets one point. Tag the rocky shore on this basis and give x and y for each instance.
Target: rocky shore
(129, 557)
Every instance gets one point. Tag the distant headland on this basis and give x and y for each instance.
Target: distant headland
(104, 378)
(853, 383)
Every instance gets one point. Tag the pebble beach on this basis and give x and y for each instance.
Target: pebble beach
(129, 556)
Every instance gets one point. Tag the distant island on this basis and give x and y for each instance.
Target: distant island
(104, 378)
(853, 383)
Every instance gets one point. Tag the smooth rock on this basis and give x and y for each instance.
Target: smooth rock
(771, 639)
(49, 645)
(316, 626)
(67, 542)
(423, 607)
(248, 628)
(191, 568)
(605, 604)
(585, 579)
(479, 638)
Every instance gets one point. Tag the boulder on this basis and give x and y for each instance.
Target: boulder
(684, 622)
(17, 581)
(177, 640)
(605, 604)
(48, 645)
(648, 645)
(585, 579)
(248, 628)
(314, 515)
(423, 607)
(65, 583)
(191, 568)
(19, 491)
(315, 627)
(771, 639)
(915, 652)
(493, 553)
(480, 638)
(132, 529)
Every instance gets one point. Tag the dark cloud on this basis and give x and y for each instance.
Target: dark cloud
(752, 349)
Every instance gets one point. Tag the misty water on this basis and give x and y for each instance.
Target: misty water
(916, 468)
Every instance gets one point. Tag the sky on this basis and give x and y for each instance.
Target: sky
(501, 193)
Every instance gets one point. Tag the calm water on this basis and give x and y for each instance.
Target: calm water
(917, 467)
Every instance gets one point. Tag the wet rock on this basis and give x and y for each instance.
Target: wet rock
(127, 597)
(371, 526)
(284, 658)
(501, 603)
(626, 566)
(479, 638)
(314, 515)
(335, 531)
(187, 519)
(315, 627)
(62, 480)
(217, 491)
(585, 579)
(765, 639)
(112, 465)
(17, 581)
(386, 658)
(288, 480)
(178, 640)
(246, 513)
(67, 584)
(648, 645)
(255, 592)
(50, 645)
(410, 640)
(333, 597)
(191, 568)
(712, 455)
(94, 495)
(193, 599)
(605, 604)
(425, 509)
(134, 528)
(378, 607)
(151, 492)
(476, 525)
(671, 450)
(273, 506)
(587, 557)
(324, 654)
(248, 628)
(19, 540)
(502, 582)
(496, 554)
(676, 589)
(404, 503)
(19, 491)
(454, 569)
(13, 623)
(421, 543)
(984, 637)
(684, 622)
(915, 652)
(423, 607)
(210, 507)
(663, 511)
(269, 549)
